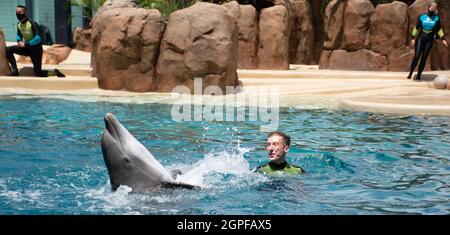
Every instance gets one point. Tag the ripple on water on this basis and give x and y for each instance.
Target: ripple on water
(356, 162)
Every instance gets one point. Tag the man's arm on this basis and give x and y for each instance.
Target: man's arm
(36, 39)
(19, 37)
(416, 30)
(440, 32)
(417, 27)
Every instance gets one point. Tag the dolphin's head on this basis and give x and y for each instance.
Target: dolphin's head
(128, 161)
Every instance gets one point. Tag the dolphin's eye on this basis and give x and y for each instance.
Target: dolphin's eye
(126, 160)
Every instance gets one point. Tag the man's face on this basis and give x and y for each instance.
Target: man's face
(20, 10)
(432, 7)
(276, 149)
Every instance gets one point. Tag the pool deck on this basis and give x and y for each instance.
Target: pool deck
(385, 92)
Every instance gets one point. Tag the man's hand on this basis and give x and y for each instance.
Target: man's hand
(413, 41)
(21, 44)
(445, 43)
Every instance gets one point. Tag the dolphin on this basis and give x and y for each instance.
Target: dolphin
(130, 163)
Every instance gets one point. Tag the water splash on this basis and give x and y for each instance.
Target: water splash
(215, 172)
(110, 201)
(222, 170)
(21, 198)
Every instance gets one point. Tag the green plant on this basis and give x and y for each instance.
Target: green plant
(89, 8)
(324, 5)
(166, 6)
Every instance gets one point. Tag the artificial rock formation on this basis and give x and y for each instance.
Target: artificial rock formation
(274, 33)
(389, 35)
(111, 4)
(134, 50)
(333, 24)
(233, 8)
(270, 34)
(4, 67)
(82, 39)
(385, 46)
(388, 27)
(318, 29)
(125, 48)
(247, 20)
(440, 55)
(400, 59)
(346, 25)
(248, 37)
(55, 54)
(200, 41)
(258, 30)
(353, 25)
(302, 43)
(355, 60)
(356, 24)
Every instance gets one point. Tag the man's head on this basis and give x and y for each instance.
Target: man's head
(432, 8)
(277, 146)
(21, 12)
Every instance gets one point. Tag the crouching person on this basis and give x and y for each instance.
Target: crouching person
(29, 43)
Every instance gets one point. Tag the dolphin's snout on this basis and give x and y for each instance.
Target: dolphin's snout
(109, 116)
(109, 123)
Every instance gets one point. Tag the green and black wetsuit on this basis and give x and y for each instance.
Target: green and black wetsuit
(273, 168)
(427, 27)
(28, 33)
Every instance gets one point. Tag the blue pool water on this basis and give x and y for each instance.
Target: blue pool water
(357, 162)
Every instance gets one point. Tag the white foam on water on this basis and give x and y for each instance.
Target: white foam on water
(220, 170)
(110, 201)
(123, 201)
(11, 195)
(32, 196)
(217, 170)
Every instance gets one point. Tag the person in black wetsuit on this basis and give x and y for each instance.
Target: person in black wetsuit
(277, 146)
(428, 25)
(29, 43)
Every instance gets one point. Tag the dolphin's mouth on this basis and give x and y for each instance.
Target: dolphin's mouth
(110, 124)
(113, 127)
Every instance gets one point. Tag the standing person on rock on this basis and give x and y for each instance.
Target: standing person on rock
(29, 43)
(427, 27)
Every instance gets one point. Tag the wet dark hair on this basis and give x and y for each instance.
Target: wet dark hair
(285, 137)
(22, 6)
